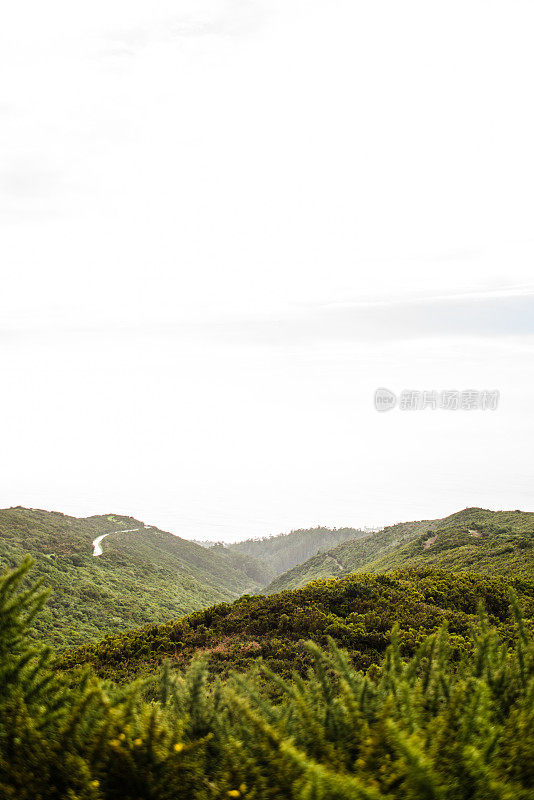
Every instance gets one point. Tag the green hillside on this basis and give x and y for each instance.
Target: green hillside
(142, 576)
(283, 551)
(259, 571)
(358, 612)
(493, 542)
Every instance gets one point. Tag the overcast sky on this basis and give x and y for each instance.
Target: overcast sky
(225, 223)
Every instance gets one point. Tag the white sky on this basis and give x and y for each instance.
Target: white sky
(224, 223)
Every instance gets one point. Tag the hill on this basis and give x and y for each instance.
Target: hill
(474, 539)
(358, 612)
(283, 551)
(143, 575)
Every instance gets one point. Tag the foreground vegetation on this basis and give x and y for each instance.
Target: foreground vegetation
(446, 724)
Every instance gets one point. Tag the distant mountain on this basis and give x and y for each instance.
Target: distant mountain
(282, 552)
(475, 539)
(144, 575)
(259, 572)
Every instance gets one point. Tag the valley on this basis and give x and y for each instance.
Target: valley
(111, 573)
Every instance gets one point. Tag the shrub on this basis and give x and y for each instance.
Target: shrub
(427, 728)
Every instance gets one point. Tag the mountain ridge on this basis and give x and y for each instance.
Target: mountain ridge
(407, 544)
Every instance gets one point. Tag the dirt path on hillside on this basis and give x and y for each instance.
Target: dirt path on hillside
(97, 549)
(336, 562)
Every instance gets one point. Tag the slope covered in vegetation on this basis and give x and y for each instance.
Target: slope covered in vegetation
(142, 576)
(358, 612)
(494, 542)
(282, 552)
(258, 570)
(149, 576)
(450, 723)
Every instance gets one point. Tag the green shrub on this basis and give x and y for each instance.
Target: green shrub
(424, 728)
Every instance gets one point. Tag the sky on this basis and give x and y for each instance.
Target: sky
(225, 223)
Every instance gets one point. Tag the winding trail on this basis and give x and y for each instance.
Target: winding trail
(336, 562)
(97, 549)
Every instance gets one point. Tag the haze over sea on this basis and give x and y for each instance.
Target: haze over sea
(224, 224)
